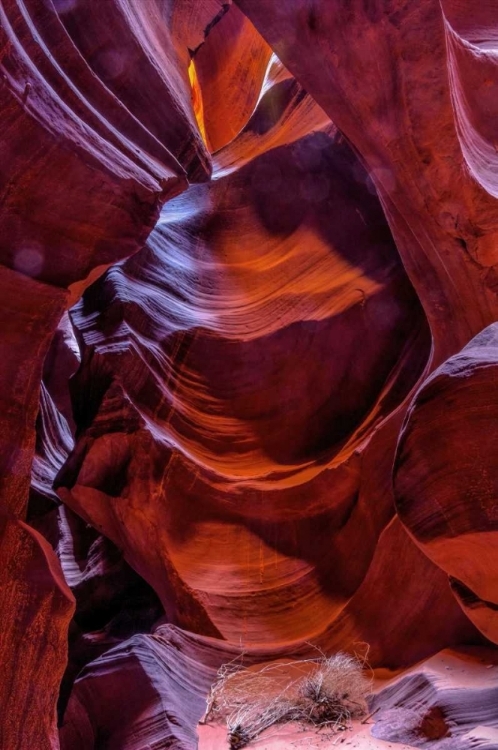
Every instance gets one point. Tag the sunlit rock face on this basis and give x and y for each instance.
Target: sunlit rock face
(233, 372)
(88, 155)
(409, 84)
(266, 424)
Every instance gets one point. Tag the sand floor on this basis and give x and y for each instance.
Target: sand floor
(470, 669)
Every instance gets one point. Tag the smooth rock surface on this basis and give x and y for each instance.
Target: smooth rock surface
(87, 159)
(222, 427)
(445, 475)
(275, 225)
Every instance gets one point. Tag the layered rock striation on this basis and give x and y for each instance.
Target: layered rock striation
(266, 424)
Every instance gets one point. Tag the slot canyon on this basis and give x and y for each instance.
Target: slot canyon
(249, 365)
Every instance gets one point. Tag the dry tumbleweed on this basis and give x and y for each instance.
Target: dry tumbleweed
(325, 692)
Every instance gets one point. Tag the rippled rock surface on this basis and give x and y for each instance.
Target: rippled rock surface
(249, 293)
(232, 374)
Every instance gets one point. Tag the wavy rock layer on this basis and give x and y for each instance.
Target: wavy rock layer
(87, 152)
(97, 129)
(151, 690)
(223, 452)
(446, 476)
(446, 703)
(226, 454)
(410, 85)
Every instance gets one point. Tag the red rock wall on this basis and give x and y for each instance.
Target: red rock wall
(86, 163)
(243, 358)
(255, 355)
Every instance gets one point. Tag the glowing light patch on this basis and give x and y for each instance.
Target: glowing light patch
(197, 101)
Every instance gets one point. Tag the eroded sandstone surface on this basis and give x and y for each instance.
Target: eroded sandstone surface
(250, 357)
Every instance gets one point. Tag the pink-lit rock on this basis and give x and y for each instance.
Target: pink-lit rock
(232, 375)
(264, 264)
(445, 476)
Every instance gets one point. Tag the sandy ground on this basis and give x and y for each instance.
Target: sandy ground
(214, 738)
(472, 669)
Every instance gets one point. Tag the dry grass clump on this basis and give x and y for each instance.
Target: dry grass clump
(325, 692)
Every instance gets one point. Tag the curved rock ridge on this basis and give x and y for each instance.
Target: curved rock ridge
(445, 475)
(35, 603)
(37, 607)
(86, 162)
(55, 442)
(54, 424)
(381, 622)
(224, 271)
(62, 361)
(29, 313)
(224, 450)
(411, 85)
(112, 602)
(472, 40)
(162, 680)
(445, 703)
(93, 150)
(218, 401)
(230, 69)
(448, 703)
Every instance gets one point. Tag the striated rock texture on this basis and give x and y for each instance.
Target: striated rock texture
(97, 129)
(270, 223)
(150, 691)
(231, 374)
(37, 605)
(445, 476)
(446, 703)
(399, 80)
(236, 414)
(35, 602)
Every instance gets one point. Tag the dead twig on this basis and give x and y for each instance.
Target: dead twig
(327, 693)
